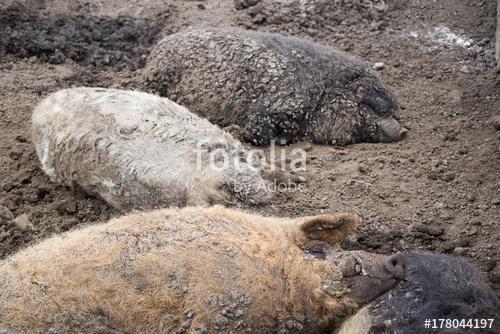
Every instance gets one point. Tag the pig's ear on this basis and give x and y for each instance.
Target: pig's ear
(329, 228)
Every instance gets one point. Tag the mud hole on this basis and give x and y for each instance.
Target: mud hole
(98, 41)
(438, 190)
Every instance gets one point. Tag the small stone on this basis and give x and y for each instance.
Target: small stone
(448, 176)
(496, 122)
(362, 169)
(439, 205)
(433, 175)
(430, 229)
(447, 246)
(259, 19)
(495, 201)
(389, 203)
(378, 66)
(483, 207)
(460, 251)
(23, 223)
(446, 216)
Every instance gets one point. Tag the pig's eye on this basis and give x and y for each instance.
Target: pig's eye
(318, 252)
(377, 99)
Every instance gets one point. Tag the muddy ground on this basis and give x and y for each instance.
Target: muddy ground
(438, 190)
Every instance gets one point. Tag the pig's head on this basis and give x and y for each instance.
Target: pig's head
(250, 179)
(245, 183)
(354, 278)
(433, 287)
(377, 106)
(228, 175)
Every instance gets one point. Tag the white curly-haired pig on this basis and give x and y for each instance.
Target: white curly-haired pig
(139, 151)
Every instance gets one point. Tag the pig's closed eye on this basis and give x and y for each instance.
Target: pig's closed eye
(380, 105)
(378, 100)
(318, 252)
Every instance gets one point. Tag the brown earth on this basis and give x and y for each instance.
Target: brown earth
(438, 190)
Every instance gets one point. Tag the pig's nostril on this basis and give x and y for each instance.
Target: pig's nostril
(403, 133)
(394, 265)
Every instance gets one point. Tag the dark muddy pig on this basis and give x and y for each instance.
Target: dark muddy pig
(273, 87)
(434, 287)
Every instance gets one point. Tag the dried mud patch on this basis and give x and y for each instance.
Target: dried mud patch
(96, 40)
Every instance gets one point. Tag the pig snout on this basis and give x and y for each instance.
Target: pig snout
(434, 286)
(391, 130)
(394, 264)
(370, 275)
(374, 265)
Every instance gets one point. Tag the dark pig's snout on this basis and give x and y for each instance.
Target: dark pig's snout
(394, 264)
(390, 130)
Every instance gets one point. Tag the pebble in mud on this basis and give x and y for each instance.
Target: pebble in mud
(496, 122)
(23, 223)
